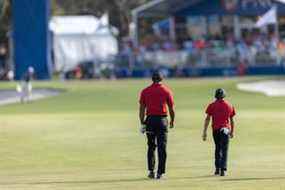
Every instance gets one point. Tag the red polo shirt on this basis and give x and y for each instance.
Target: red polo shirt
(220, 111)
(156, 98)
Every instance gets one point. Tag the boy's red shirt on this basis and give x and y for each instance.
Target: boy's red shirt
(221, 111)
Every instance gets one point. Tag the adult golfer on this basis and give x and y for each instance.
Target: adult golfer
(154, 101)
(221, 113)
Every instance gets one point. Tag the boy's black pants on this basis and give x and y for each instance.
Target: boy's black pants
(221, 149)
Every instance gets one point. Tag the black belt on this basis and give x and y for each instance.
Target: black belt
(158, 116)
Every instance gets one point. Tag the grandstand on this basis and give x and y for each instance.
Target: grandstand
(210, 37)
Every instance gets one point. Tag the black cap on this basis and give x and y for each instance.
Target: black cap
(220, 93)
(157, 76)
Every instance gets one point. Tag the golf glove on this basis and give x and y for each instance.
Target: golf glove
(225, 130)
(143, 129)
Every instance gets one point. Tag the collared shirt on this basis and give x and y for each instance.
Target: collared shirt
(220, 111)
(156, 98)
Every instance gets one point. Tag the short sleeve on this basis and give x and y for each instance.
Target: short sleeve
(233, 112)
(209, 110)
(142, 98)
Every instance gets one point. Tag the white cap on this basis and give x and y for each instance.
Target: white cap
(31, 70)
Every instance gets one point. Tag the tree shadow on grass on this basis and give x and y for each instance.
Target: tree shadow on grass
(254, 179)
(77, 182)
(139, 180)
(100, 181)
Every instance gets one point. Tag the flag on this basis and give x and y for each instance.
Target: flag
(281, 1)
(269, 17)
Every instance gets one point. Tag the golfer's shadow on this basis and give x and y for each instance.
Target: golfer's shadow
(232, 179)
(194, 177)
(253, 179)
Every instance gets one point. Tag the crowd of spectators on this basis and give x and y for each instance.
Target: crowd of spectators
(251, 49)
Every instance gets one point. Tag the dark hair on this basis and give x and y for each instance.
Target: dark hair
(157, 77)
(220, 94)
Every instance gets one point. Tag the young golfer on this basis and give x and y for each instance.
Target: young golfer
(221, 113)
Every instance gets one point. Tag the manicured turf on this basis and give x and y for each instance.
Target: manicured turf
(87, 138)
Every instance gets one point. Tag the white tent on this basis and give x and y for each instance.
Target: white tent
(81, 38)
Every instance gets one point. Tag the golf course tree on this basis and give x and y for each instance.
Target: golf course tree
(6, 18)
(5, 15)
(124, 8)
(119, 10)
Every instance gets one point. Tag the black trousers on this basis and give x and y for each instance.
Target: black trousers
(221, 149)
(157, 138)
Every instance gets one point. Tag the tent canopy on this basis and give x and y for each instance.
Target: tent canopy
(163, 7)
(74, 24)
(79, 39)
(239, 7)
(166, 8)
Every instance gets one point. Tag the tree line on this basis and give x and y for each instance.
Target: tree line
(119, 11)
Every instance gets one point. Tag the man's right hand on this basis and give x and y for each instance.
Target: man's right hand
(143, 128)
(171, 124)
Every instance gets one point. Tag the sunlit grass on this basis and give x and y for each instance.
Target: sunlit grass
(88, 138)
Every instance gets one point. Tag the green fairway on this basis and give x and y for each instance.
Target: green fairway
(88, 138)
